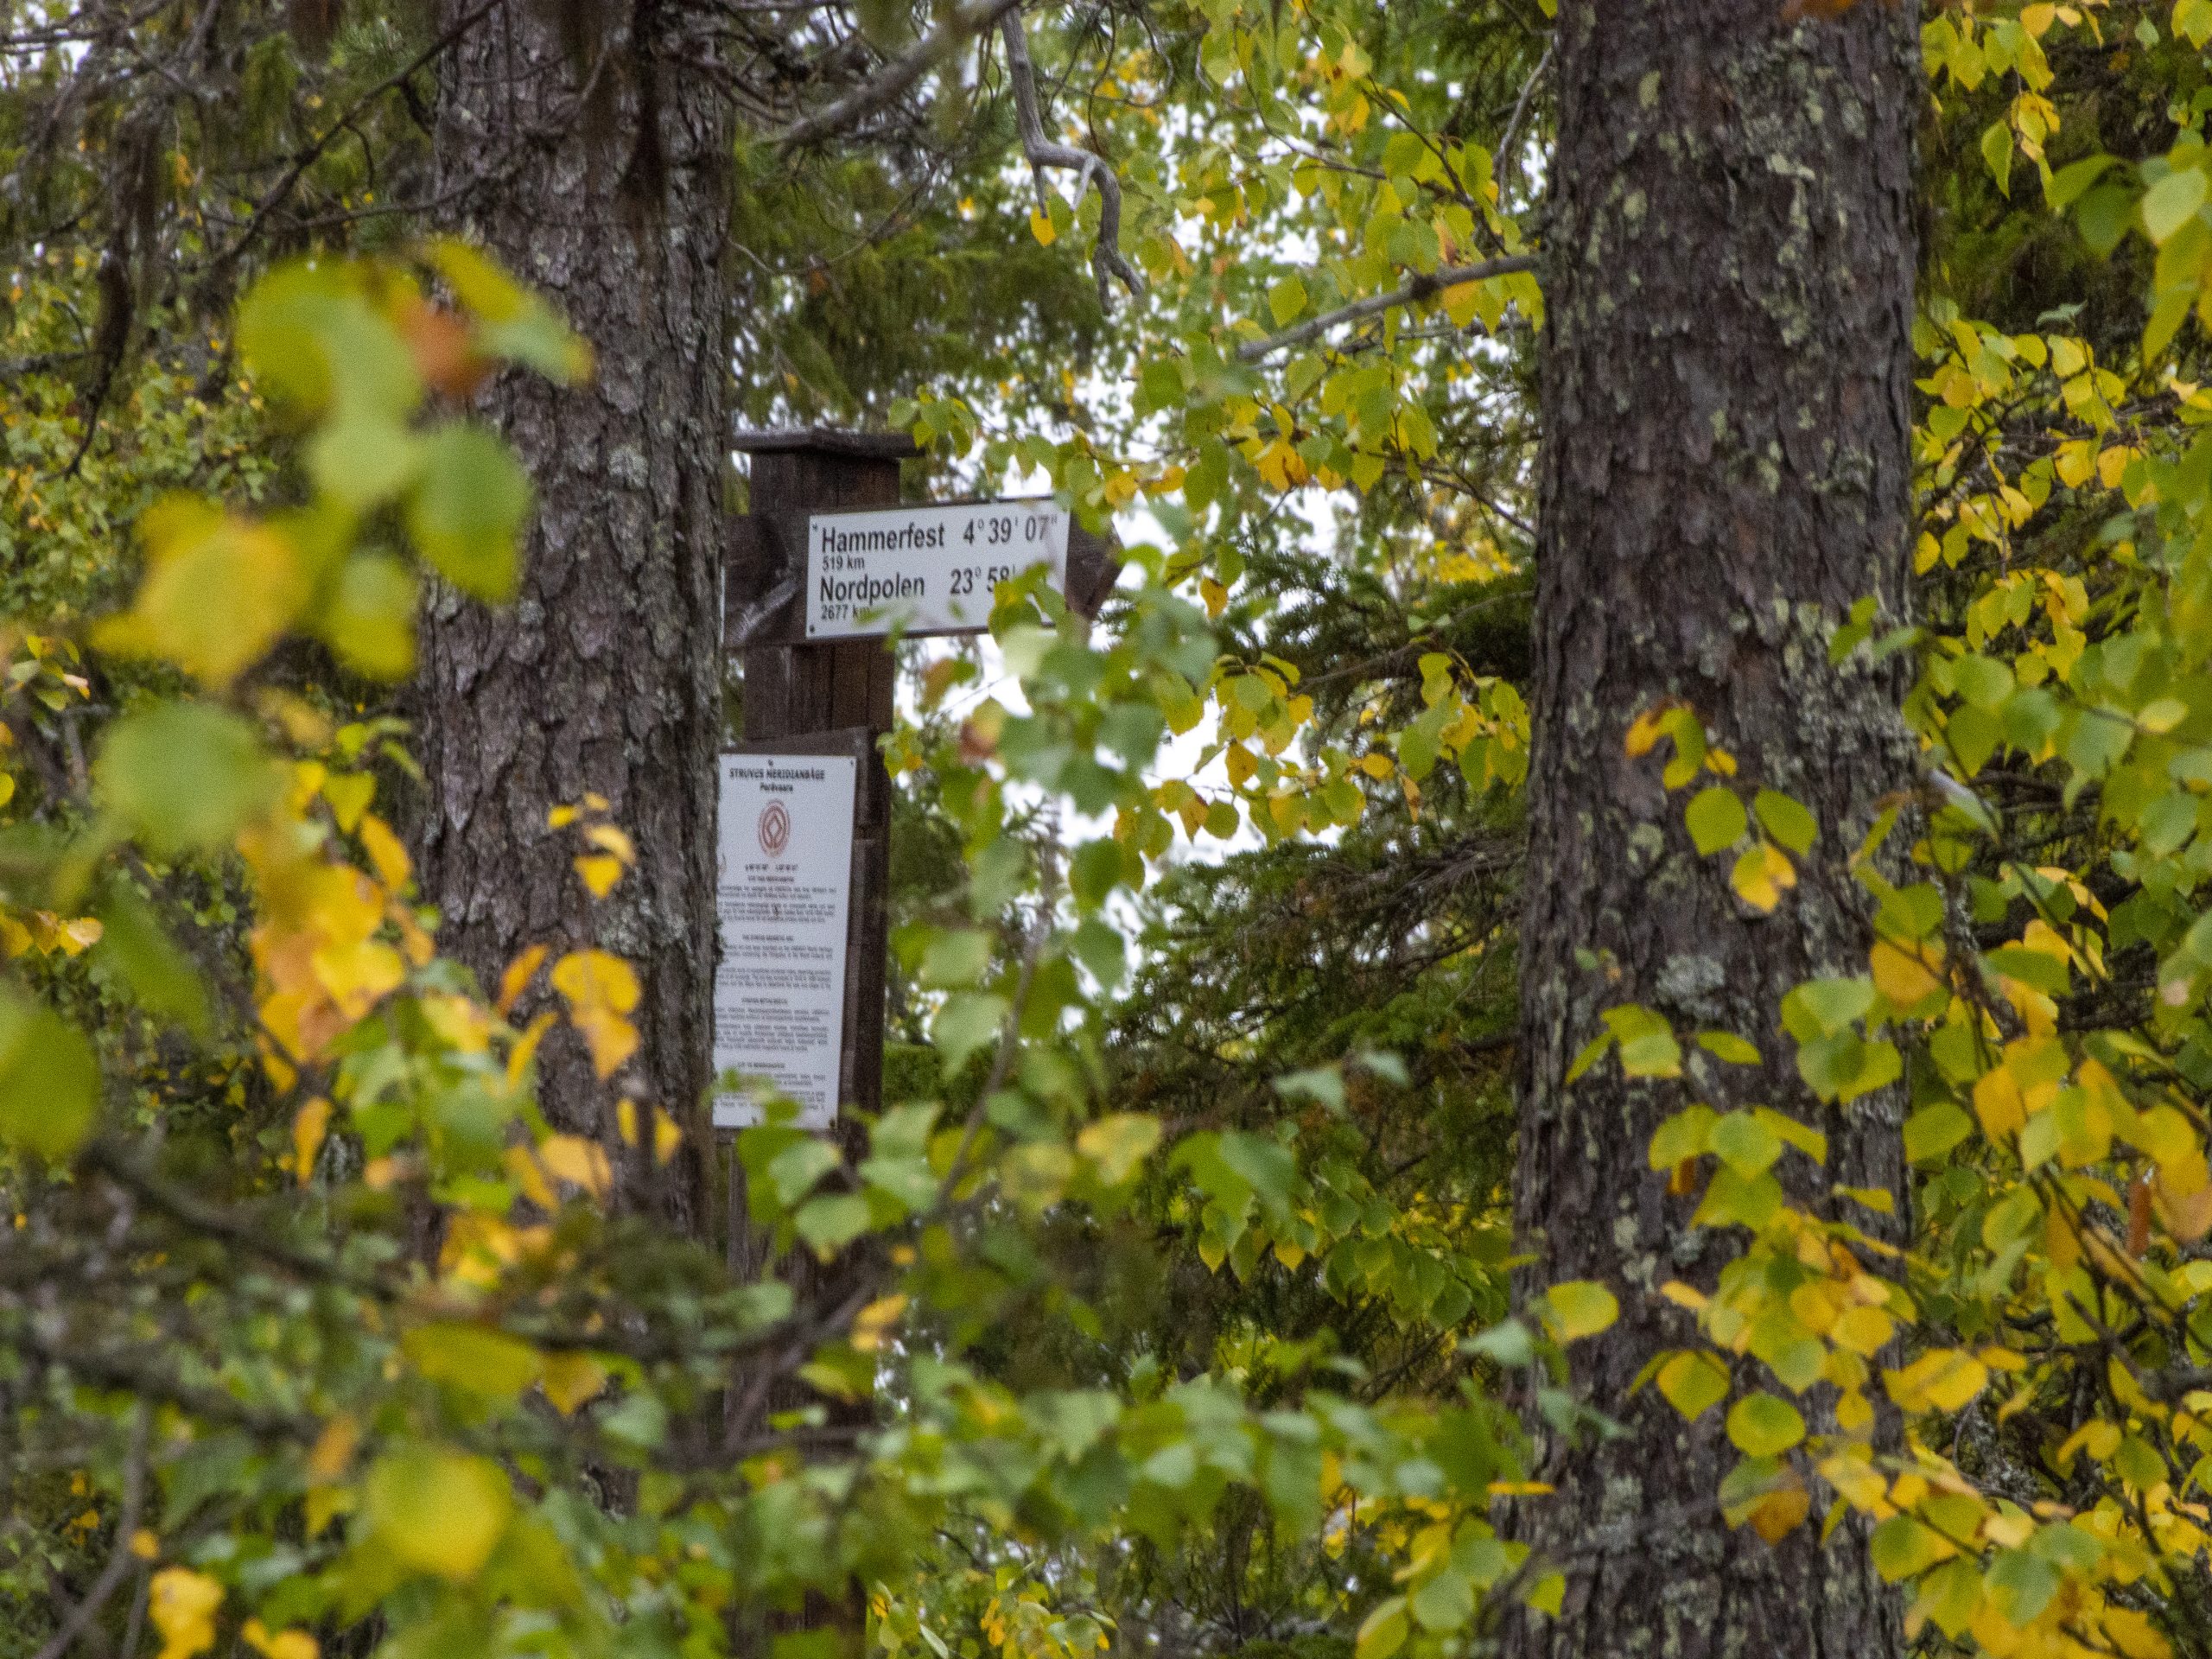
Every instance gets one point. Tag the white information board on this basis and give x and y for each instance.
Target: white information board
(929, 570)
(783, 897)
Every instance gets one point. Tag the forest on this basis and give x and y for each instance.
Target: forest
(1536, 988)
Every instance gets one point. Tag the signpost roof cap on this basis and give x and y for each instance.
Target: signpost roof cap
(828, 440)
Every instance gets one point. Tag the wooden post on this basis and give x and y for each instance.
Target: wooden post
(794, 692)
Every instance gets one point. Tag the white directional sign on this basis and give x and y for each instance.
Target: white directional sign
(926, 570)
(783, 900)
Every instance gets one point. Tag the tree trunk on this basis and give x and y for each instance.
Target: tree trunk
(1726, 382)
(598, 170)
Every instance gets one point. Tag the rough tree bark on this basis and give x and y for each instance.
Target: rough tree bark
(597, 167)
(1726, 381)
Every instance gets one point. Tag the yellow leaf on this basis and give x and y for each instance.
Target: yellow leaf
(357, 974)
(600, 989)
(612, 840)
(384, 852)
(218, 593)
(600, 873)
(78, 936)
(349, 794)
(520, 972)
(579, 1162)
(438, 1512)
(284, 1645)
(873, 1322)
(1760, 876)
(1902, 976)
(1040, 227)
(1863, 1330)
(310, 1124)
(1118, 1144)
(182, 1604)
(1778, 1515)
(1944, 1380)
(1583, 1307)
(667, 1137)
(572, 1379)
(333, 1453)
(529, 1178)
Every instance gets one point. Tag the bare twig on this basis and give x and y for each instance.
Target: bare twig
(1416, 290)
(1042, 152)
(895, 78)
(1508, 158)
(120, 1562)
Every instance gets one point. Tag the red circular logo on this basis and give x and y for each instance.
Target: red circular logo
(775, 829)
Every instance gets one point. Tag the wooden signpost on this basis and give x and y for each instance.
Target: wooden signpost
(827, 565)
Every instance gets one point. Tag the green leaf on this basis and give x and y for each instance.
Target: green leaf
(182, 776)
(1383, 1632)
(793, 1172)
(363, 459)
(969, 1020)
(2104, 215)
(1286, 299)
(475, 1358)
(1322, 1084)
(1996, 154)
(1822, 1007)
(2071, 180)
(1789, 824)
(1716, 818)
(1934, 1130)
(467, 507)
(1727, 1045)
(1902, 1546)
(956, 956)
(1693, 1381)
(1685, 1135)
(831, 1223)
(1744, 1144)
(307, 336)
(2173, 201)
(369, 619)
(1765, 1425)
(49, 1083)
(1647, 1045)
(139, 952)
(1443, 1602)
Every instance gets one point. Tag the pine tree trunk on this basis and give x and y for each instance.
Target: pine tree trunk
(1725, 384)
(597, 169)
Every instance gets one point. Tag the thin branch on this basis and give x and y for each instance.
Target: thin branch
(1508, 156)
(1418, 289)
(886, 86)
(1042, 152)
